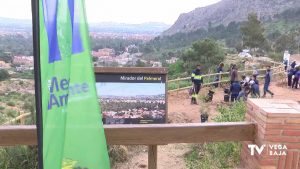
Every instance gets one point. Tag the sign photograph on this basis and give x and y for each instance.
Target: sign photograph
(132, 98)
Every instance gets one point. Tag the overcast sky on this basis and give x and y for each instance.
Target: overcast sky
(123, 11)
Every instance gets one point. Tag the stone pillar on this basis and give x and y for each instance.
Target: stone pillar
(278, 124)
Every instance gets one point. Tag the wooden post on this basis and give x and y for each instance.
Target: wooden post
(152, 157)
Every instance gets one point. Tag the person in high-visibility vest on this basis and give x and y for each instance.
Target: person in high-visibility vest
(197, 80)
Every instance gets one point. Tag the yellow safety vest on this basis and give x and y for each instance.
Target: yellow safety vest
(196, 77)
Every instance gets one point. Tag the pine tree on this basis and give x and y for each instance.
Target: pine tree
(252, 33)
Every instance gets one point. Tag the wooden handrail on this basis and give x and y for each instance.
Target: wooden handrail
(277, 70)
(225, 73)
(148, 134)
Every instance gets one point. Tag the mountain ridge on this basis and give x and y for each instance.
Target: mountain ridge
(227, 11)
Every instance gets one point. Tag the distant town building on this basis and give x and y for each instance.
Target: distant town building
(105, 52)
(172, 60)
(4, 65)
(156, 64)
(23, 68)
(132, 49)
(23, 60)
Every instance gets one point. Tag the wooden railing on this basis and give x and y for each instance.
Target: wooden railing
(209, 79)
(153, 134)
(149, 134)
(277, 69)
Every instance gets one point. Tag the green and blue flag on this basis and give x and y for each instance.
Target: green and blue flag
(72, 130)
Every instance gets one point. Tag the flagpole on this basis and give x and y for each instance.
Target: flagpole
(37, 78)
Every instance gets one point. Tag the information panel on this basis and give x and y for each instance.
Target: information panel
(132, 98)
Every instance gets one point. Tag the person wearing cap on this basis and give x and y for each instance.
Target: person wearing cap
(197, 80)
(268, 76)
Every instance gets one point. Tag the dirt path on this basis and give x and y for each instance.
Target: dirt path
(169, 157)
(181, 111)
(179, 104)
(296, 58)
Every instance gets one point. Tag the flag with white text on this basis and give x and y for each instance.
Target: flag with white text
(72, 130)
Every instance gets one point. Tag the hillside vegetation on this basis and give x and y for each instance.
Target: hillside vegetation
(280, 33)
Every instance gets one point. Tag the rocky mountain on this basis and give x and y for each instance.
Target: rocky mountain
(227, 11)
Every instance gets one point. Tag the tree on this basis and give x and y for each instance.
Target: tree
(5, 57)
(95, 59)
(139, 63)
(114, 64)
(3, 75)
(207, 53)
(252, 32)
(285, 42)
(176, 69)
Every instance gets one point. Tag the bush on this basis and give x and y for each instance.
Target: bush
(234, 113)
(223, 154)
(118, 154)
(12, 113)
(12, 104)
(3, 74)
(276, 56)
(24, 157)
(176, 69)
(180, 84)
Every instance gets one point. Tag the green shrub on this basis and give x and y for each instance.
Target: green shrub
(180, 84)
(234, 113)
(21, 157)
(2, 108)
(176, 69)
(12, 104)
(12, 113)
(276, 56)
(3, 74)
(118, 154)
(223, 154)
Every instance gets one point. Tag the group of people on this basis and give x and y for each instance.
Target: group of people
(293, 75)
(238, 89)
(248, 85)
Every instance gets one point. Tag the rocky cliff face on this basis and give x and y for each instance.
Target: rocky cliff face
(227, 11)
